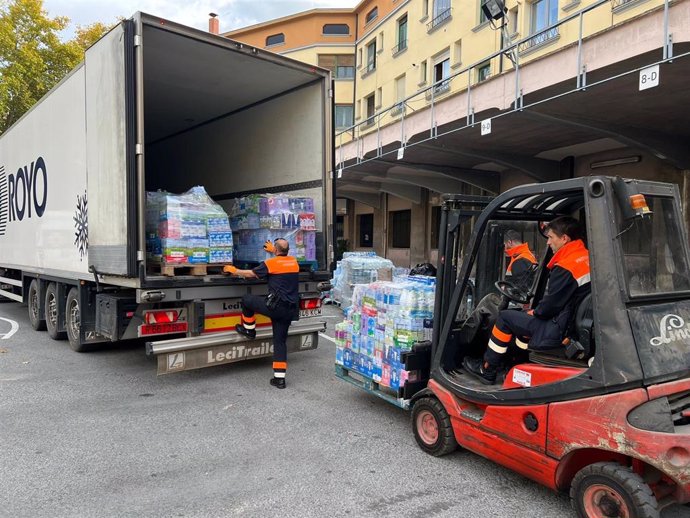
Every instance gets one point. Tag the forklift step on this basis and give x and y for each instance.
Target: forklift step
(369, 385)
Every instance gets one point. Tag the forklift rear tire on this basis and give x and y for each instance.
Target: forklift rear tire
(34, 305)
(52, 311)
(609, 489)
(432, 428)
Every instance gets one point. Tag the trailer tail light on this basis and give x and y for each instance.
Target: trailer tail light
(164, 322)
(314, 303)
(638, 203)
(162, 316)
(310, 306)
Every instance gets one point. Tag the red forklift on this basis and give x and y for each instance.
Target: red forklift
(606, 418)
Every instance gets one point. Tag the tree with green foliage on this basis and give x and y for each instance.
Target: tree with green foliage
(33, 59)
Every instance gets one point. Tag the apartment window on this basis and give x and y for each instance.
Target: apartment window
(399, 95)
(400, 88)
(513, 20)
(422, 73)
(371, 108)
(366, 230)
(336, 29)
(341, 65)
(371, 56)
(344, 115)
(441, 7)
(402, 35)
(435, 223)
(275, 39)
(441, 72)
(544, 13)
(399, 228)
(483, 72)
(482, 14)
(372, 15)
(441, 14)
(457, 53)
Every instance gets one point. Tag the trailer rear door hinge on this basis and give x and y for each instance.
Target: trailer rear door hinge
(139, 149)
(330, 93)
(137, 40)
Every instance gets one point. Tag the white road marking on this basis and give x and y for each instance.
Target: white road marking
(322, 335)
(14, 329)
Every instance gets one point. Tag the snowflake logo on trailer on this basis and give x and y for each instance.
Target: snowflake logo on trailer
(81, 224)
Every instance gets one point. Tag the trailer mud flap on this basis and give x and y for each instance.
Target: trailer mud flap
(207, 351)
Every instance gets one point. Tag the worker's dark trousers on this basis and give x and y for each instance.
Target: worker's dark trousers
(515, 327)
(281, 317)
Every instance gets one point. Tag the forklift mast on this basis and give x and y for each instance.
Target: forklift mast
(456, 210)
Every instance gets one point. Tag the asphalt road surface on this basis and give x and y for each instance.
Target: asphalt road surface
(98, 434)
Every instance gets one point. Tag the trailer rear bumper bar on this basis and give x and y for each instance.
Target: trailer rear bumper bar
(197, 352)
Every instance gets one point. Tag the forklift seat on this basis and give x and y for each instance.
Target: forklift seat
(581, 336)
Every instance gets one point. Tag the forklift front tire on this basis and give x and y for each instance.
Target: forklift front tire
(609, 489)
(432, 428)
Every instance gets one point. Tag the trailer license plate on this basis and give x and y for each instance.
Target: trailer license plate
(304, 313)
(162, 329)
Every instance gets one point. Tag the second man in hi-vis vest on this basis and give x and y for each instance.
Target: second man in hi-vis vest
(281, 305)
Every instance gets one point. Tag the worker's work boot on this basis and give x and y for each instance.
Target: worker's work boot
(278, 382)
(249, 333)
(480, 370)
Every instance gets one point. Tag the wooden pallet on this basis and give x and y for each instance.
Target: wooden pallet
(365, 383)
(197, 270)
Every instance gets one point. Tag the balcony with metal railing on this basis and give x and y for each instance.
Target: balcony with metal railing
(441, 104)
(401, 46)
(438, 20)
(539, 40)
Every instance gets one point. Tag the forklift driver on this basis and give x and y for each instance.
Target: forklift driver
(545, 326)
(522, 260)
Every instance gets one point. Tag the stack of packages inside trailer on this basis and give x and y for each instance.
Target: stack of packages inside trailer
(386, 321)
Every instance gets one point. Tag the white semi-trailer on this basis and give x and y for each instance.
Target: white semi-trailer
(158, 106)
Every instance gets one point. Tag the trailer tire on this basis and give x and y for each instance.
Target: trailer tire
(432, 428)
(52, 310)
(610, 489)
(34, 305)
(73, 321)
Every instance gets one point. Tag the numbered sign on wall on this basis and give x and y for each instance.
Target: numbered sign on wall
(486, 126)
(649, 77)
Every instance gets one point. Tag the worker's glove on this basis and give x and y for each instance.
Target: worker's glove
(232, 270)
(268, 246)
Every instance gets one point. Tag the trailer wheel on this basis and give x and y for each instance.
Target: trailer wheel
(34, 305)
(432, 428)
(52, 306)
(609, 490)
(73, 321)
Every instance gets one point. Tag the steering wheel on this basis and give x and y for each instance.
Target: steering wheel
(512, 292)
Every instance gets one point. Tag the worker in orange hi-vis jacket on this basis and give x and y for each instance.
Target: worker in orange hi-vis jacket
(281, 305)
(545, 326)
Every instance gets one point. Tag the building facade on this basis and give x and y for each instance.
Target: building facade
(437, 96)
